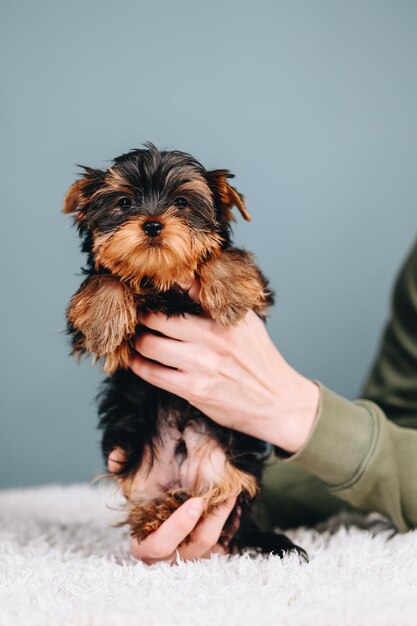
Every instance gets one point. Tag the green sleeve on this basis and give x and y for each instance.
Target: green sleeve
(365, 452)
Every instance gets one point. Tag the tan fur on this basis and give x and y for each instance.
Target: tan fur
(113, 181)
(172, 258)
(118, 358)
(79, 347)
(74, 199)
(79, 194)
(146, 517)
(229, 196)
(230, 286)
(104, 311)
(197, 185)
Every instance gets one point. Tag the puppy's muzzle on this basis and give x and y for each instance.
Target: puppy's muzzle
(152, 228)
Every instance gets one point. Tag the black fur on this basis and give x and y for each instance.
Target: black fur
(129, 408)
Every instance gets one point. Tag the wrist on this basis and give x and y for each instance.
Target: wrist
(295, 412)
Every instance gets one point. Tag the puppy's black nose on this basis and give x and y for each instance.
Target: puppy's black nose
(152, 229)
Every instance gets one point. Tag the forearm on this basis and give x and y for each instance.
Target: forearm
(363, 458)
(365, 452)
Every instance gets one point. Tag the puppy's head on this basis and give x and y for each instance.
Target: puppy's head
(153, 214)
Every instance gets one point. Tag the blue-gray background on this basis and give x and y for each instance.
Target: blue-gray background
(313, 104)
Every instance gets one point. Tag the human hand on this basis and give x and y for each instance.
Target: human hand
(234, 375)
(166, 543)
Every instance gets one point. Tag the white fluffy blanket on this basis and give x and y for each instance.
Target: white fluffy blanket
(62, 563)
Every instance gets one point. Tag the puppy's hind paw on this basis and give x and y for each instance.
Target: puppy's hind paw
(270, 543)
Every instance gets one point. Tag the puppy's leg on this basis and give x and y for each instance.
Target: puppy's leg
(146, 516)
(231, 284)
(119, 358)
(103, 316)
(267, 543)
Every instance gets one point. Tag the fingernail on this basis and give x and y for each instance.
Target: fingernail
(195, 507)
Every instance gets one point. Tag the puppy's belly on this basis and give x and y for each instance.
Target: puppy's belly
(191, 461)
(184, 464)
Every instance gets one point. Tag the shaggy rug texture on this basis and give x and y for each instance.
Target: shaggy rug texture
(61, 563)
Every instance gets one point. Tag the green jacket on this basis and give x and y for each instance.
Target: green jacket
(360, 454)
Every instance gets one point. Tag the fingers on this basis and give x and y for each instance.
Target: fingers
(206, 535)
(180, 327)
(163, 543)
(169, 352)
(217, 549)
(158, 375)
(116, 460)
(235, 523)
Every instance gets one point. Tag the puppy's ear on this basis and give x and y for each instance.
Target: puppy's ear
(226, 196)
(79, 194)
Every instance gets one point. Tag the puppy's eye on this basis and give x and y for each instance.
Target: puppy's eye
(125, 203)
(181, 202)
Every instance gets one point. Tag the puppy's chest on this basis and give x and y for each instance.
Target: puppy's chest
(173, 301)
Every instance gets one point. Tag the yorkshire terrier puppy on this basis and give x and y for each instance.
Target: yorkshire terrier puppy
(149, 224)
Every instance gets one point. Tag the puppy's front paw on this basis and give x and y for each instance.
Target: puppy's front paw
(226, 306)
(231, 285)
(118, 358)
(104, 311)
